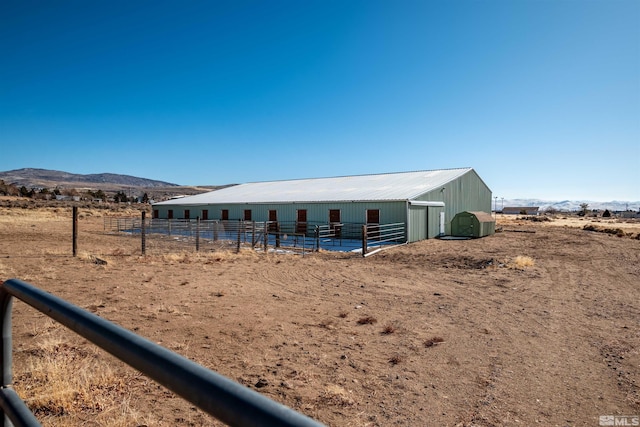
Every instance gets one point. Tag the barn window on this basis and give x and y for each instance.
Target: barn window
(373, 222)
(301, 221)
(170, 214)
(247, 214)
(187, 214)
(205, 214)
(273, 220)
(156, 213)
(373, 216)
(224, 214)
(334, 222)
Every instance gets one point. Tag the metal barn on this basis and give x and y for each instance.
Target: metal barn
(425, 201)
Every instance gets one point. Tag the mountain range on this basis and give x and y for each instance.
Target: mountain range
(568, 205)
(44, 178)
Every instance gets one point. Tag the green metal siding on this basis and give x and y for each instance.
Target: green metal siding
(423, 222)
(351, 212)
(466, 193)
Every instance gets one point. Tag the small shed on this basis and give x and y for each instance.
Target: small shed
(473, 224)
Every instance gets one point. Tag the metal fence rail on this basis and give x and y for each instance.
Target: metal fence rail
(162, 234)
(300, 237)
(377, 235)
(217, 395)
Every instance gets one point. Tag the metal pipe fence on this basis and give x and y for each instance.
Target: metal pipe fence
(375, 236)
(224, 399)
(162, 235)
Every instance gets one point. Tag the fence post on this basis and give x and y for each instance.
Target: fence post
(317, 232)
(215, 225)
(197, 234)
(364, 240)
(238, 245)
(277, 234)
(6, 302)
(143, 233)
(75, 230)
(253, 234)
(266, 236)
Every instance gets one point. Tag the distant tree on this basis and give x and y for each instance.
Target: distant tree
(100, 195)
(145, 198)
(8, 189)
(606, 213)
(24, 192)
(120, 197)
(584, 207)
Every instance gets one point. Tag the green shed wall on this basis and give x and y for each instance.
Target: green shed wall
(467, 224)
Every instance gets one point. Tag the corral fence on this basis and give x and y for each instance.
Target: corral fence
(300, 237)
(376, 237)
(224, 399)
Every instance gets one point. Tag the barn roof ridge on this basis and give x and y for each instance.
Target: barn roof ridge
(465, 169)
(368, 187)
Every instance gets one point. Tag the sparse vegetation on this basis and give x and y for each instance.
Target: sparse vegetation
(388, 329)
(394, 360)
(66, 384)
(433, 341)
(521, 262)
(367, 320)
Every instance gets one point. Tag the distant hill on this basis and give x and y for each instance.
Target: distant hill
(570, 205)
(44, 178)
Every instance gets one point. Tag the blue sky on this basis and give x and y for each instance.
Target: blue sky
(541, 97)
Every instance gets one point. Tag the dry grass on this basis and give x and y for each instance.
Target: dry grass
(431, 342)
(521, 262)
(389, 329)
(63, 384)
(367, 320)
(189, 257)
(335, 395)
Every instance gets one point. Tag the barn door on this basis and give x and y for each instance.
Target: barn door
(465, 226)
(301, 221)
(334, 222)
(373, 222)
(273, 220)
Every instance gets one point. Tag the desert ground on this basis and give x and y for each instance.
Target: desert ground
(538, 324)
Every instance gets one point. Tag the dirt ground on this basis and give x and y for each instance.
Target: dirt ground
(538, 324)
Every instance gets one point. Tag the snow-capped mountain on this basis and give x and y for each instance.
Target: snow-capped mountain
(568, 205)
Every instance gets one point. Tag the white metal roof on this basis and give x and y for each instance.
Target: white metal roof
(380, 187)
